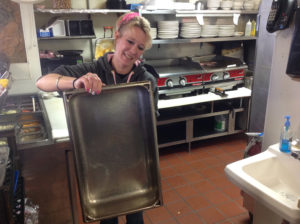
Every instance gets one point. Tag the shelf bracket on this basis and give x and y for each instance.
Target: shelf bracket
(236, 17)
(200, 19)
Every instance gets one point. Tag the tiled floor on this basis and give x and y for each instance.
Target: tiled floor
(195, 188)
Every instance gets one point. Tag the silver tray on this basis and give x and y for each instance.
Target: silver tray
(115, 149)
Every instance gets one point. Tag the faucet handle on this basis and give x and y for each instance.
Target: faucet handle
(296, 154)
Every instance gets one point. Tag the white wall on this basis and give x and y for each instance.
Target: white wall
(284, 92)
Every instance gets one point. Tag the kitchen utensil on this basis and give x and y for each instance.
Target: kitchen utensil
(115, 149)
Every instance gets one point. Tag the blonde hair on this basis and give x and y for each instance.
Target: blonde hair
(132, 19)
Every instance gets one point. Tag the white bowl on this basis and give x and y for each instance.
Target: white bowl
(213, 4)
(237, 3)
(213, 1)
(248, 4)
(226, 5)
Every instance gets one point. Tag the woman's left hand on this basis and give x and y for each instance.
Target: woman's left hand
(91, 82)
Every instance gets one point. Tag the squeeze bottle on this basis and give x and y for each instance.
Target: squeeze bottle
(253, 28)
(248, 28)
(286, 136)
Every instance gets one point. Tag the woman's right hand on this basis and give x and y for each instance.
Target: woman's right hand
(91, 82)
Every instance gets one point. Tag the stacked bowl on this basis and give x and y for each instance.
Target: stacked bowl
(248, 5)
(168, 29)
(256, 4)
(213, 4)
(226, 4)
(237, 5)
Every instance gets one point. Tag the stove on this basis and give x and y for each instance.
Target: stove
(192, 76)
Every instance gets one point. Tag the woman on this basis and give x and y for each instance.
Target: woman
(132, 38)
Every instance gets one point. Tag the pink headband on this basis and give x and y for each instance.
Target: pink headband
(129, 17)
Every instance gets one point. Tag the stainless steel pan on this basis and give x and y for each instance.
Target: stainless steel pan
(115, 148)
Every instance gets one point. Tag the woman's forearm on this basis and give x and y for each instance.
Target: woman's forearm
(55, 82)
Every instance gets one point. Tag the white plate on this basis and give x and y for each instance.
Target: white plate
(206, 35)
(167, 35)
(238, 34)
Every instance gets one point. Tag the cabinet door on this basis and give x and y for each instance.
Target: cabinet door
(46, 183)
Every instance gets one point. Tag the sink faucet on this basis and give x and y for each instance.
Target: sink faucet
(296, 154)
(296, 144)
(254, 145)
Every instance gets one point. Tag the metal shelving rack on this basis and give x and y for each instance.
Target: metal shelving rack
(178, 13)
(201, 40)
(186, 121)
(67, 37)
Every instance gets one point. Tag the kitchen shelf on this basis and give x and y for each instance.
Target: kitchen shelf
(67, 37)
(81, 11)
(200, 40)
(185, 118)
(173, 11)
(209, 97)
(215, 134)
(163, 41)
(192, 13)
(196, 120)
(214, 13)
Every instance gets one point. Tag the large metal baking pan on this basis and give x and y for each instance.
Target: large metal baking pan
(115, 148)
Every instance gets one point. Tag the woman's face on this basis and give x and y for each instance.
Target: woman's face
(130, 45)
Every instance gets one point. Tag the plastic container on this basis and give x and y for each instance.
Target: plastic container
(58, 28)
(286, 136)
(105, 44)
(220, 124)
(248, 28)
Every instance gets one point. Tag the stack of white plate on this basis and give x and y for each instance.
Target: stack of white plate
(153, 32)
(190, 30)
(226, 30)
(168, 29)
(209, 30)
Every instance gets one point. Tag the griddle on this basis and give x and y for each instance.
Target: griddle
(217, 62)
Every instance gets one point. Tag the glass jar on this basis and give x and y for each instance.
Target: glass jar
(108, 31)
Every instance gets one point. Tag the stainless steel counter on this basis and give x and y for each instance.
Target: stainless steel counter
(55, 112)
